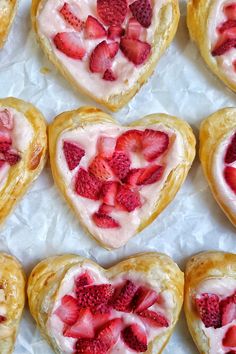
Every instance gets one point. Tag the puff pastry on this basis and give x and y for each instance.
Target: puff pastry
(210, 288)
(7, 14)
(12, 300)
(212, 25)
(152, 274)
(124, 76)
(111, 177)
(23, 144)
(218, 158)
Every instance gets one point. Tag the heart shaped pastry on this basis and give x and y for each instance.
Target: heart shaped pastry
(118, 179)
(210, 306)
(12, 300)
(7, 14)
(218, 158)
(212, 25)
(130, 308)
(107, 49)
(23, 144)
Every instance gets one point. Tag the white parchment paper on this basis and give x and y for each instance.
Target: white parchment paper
(43, 225)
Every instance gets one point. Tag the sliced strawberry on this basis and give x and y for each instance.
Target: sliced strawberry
(105, 221)
(12, 157)
(231, 352)
(224, 47)
(130, 141)
(144, 298)
(68, 311)
(90, 346)
(134, 29)
(94, 29)
(208, 307)
(115, 31)
(153, 318)
(142, 11)
(150, 175)
(120, 164)
(135, 338)
(230, 177)
(100, 59)
(70, 17)
(124, 296)
(230, 11)
(231, 151)
(229, 339)
(228, 309)
(109, 75)
(105, 209)
(110, 333)
(101, 316)
(70, 44)
(113, 48)
(132, 177)
(135, 50)
(6, 119)
(93, 296)
(155, 143)
(73, 154)
(5, 141)
(83, 327)
(106, 146)
(83, 280)
(2, 318)
(226, 25)
(87, 185)
(100, 168)
(128, 199)
(112, 12)
(108, 193)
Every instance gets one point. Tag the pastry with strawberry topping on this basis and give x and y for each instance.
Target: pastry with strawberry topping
(210, 301)
(129, 308)
(117, 178)
(106, 48)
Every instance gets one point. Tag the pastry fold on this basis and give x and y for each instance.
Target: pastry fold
(7, 14)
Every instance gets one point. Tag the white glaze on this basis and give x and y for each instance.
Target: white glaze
(50, 23)
(129, 222)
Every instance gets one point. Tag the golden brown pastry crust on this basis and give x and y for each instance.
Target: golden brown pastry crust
(12, 281)
(213, 130)
(203, 266)
(89, 115)
(7, 14)
(45, 279)
(163, 37)
(32, 161)
(198, 12)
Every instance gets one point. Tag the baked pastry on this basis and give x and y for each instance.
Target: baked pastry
(218, 158)
(7, 14)
(212, 25)
(105, 48)
(82, 308)
(23, 144)
(12, 300)
(118, 179)
(210, 305)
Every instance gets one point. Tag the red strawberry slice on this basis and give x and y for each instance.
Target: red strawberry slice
(135, 50)
(100, 59)
(73, 154)
(94, 29)
(110, 333)
(224, 47)
(105, 209)
(231, 352)
(228, 309)
(101, 316)
(124, 296)
(113, 48)
(226, 26)
(12, 157)
(155, 143)
(109, 75)
(231, 151)
(100, 168)
(105, 221)
(93, 296)
(87, 185)
(150, 175)
(128, 199)
(120, 164)
(108, 193)
(70, 17)
(70, 44)
(2, 318)
(90, 346)
(229, 339)
(68, 311)
(106, 146)
(5, 141)
(135, 338)
(208, 307)
(153, 318)
(132, 176)
(115, 31)
(6, 119)
(83, 280)
(112, 12)
(230, 177)
(144, 298)
(83, 326)
(134, 29)
(230, 11)
(130, 141)
(142, 11)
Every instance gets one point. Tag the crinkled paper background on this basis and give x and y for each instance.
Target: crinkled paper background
(43, 225)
